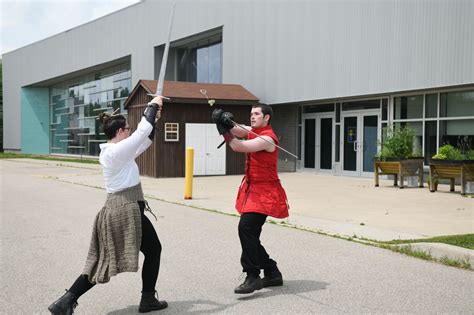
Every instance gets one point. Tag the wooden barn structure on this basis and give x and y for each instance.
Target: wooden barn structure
(186, 122)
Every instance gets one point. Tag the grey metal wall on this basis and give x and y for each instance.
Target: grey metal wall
(282, 51)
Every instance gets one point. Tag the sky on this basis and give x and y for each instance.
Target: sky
(27, 21)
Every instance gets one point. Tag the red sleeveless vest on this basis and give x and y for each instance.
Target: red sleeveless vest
(261, 190)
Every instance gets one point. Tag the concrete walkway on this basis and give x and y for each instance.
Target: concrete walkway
(333, 205)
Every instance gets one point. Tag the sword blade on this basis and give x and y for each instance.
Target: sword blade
(164, 60)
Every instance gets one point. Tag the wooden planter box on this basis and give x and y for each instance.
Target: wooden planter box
(400, 169)
(450, 169)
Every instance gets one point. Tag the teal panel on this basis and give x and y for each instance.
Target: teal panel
(35, 120)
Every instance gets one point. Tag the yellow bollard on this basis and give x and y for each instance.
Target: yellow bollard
(188, 179)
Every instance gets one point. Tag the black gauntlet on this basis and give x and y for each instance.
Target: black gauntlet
(150, 113)
(227, 119)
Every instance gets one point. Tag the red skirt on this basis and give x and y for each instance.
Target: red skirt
(266, 197)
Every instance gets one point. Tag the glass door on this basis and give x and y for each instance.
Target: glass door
(309, 145)
(350, 145)
(318, 142)
(324, 147)
(370, 134)
(361, 132)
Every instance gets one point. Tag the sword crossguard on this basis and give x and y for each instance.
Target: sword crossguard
(155, 95)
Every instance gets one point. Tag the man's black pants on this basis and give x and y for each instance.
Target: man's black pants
(254, 256)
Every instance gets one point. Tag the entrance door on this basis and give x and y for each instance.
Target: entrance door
(318, 142)
(360, 140)
(204, 138)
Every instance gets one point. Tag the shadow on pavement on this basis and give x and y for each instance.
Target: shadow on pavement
(132, 309)
(294, 287)
(179, 307)
(289, 287)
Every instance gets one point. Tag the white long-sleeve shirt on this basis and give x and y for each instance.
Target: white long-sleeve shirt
(118, 159)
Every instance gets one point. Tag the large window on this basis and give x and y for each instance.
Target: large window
(75, 104)
(438, 119)
(457, 104)
(200, 62)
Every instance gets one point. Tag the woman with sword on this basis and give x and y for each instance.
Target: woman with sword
(120, 228)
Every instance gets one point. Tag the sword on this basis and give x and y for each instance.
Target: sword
(258, 136)
(164, 60)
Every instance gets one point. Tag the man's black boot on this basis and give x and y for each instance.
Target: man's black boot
(149, 302)
(272, 279)
(251, 283)
(64, 305)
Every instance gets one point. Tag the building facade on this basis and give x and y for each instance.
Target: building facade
(336, 73)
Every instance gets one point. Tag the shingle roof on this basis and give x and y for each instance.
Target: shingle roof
(191, 90)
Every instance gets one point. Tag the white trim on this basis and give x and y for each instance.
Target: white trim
(170, 132)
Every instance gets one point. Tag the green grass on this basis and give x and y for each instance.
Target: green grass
(6, 155)
(463, 240)
(408, 250)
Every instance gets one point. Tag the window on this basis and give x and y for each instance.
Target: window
(75, 104)
(200, 63)
(384, 109)
(454, 125)
(361, 105)
(431, 106)
(457, 104)
(408, 107)
(430, 140)
(417, 127)
(318, 108)
(172, 132)
(454, 132)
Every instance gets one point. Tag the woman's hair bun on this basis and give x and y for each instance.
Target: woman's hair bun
(103, 117)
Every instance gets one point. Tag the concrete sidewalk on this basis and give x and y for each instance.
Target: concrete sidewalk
(333, 205)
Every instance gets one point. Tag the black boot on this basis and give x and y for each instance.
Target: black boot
(65, 305)
(272, 279)
(150, 303)
(251, 283)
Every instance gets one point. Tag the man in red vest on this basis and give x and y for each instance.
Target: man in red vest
(260, 194)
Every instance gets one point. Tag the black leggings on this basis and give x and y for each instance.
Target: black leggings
(151, 249)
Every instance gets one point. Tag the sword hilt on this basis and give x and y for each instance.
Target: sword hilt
(155, 95)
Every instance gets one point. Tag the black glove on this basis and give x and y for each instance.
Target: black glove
(216, 115)
(228, 119)
(222, 128)
(150, 113)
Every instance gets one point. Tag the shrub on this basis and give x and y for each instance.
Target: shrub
(397, 144)
(470, 155)
(448, 152)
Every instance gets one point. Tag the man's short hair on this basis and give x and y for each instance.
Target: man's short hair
(266, 110)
